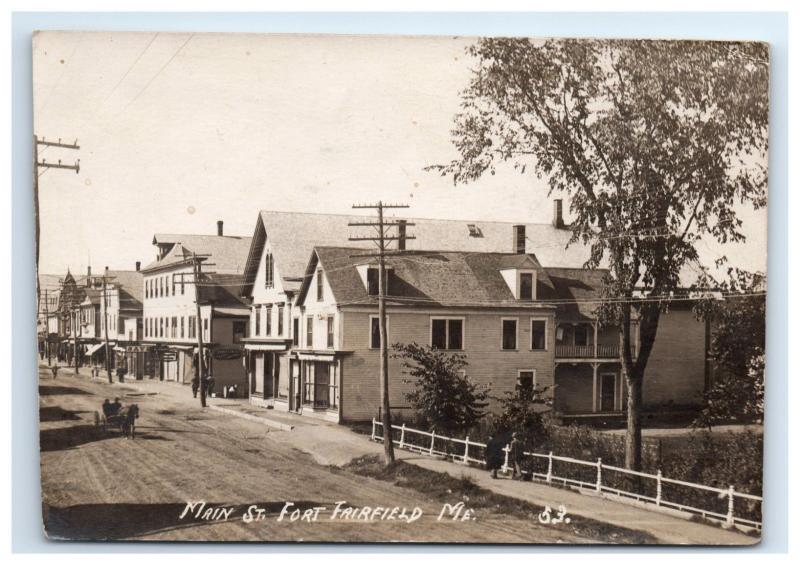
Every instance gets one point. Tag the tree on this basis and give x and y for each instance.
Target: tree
(737, 350)
(444, 398)
(654, 143)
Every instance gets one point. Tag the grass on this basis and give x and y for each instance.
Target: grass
(442, 488)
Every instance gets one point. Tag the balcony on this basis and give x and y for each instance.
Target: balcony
(587, 352)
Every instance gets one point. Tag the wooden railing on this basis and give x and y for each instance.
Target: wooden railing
(587, 351)
(582, 474)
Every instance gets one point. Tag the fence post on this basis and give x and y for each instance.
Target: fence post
(466, 450)
(373, 429)
(402, 436)
(729, 518)
(433, 440)
(658, 488)
(550, 467)
(598, 485)
(505, 462)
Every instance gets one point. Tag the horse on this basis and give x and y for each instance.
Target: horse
(128, 423)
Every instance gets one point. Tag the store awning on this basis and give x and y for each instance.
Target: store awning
(92, 349)
(231, 312)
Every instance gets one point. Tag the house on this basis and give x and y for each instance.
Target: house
(277, 265)
(121, 308)
(589, 382)
(516, 322)
(170, 321)
(486, 306)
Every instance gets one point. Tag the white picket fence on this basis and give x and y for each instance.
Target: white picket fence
(599, 484)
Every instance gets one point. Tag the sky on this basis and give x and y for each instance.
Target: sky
(180, 130)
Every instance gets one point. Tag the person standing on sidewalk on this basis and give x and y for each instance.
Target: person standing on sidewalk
(515, 455)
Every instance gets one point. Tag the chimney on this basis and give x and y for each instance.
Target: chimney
(401, 234)
(519, 238)
(138, 266)
(558, 215)
(219, 227)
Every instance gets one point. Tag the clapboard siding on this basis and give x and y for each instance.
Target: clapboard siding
(488, 364)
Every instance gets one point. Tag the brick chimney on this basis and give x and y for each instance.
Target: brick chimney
(401, 234)
(219, 227)
(138, 266)
(558, 213)
(519, 238)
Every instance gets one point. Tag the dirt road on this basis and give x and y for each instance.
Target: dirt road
(106, 487)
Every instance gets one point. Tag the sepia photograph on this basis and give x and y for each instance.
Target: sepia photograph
(374, 289)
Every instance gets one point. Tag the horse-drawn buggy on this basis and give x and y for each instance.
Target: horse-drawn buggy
(122, 418)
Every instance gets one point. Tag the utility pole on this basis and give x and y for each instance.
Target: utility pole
(197, 264)
(37, 164)
(47, 328)
(105, 328)
(381, 241)
(75, 338)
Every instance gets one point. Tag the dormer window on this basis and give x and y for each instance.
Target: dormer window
(527, 285)
(372, 281)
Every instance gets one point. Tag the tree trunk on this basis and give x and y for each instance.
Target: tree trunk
(633, 434)
(634, 368)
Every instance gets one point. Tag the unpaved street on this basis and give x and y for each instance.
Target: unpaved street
(97, 487)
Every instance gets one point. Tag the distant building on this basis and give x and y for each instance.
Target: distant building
(170, 324)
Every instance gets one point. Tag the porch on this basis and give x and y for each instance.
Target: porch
(589, 390)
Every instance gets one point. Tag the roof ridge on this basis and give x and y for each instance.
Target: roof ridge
(417, 218)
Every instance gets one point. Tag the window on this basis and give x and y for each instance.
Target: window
(526, 381)
(538, 334)
(160, 326)
(581, 335)
(205, 328)
(295, 332)
(174, 327)
(309, 331)
(526, 285)
(372, 281)
(146, 289)
(183, 329)
(268, 324)
(509, 334)
(182, 286)
(257, 310)
(447, 333)
(280, 319)
(161, 291)
(173, 283)
(192, 329)
(269, 271)
(374, 332)
(330, 332)
(239, 328)
(320, 293)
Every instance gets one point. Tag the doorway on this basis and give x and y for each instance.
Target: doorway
(608, 391)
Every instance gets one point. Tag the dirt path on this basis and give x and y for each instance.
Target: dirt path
(98, 487)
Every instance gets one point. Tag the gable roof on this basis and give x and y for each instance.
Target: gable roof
(575, 291)
(293, 236)
(229, 253)
(131, 285)
(436, 278)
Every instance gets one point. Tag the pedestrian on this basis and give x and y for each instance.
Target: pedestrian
(515, 454)
(195, 386)
(121, 374)
(210, 386)
(494, 455)
(54, 370)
